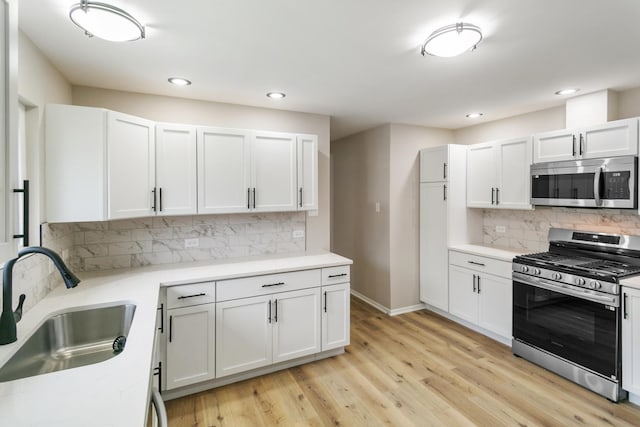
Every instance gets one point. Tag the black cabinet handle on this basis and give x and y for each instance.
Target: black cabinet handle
(269, 315)
(476, 263)
(248, 198)
(624, 306)
(492, 191)
(444, 170)
(154, 207)
(581, 141)
(201, 294)
(158, 372)
(160, 199)
(170, 328)
(474, 283)
(574, 145)
(254, 197)
(275, 317)
(325, 301)
(444, 192)
(331, 276)
(300, 196)
(497, 196)
(478, 279)
(25, 213)
(273, 284)
(161, 328)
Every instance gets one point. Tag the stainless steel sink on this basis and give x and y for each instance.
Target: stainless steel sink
(71, 339)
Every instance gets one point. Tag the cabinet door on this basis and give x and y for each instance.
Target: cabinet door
(433, 164)
(631, 340)
(335, 316)
(619, 138)
(190, 345)
(481, 176)
(176, 169)
(273, 169)
(514, 163)
(223, 170)
(434, 286)
(296, 324)
(131, 165)
(495, 304)
(554, 146)
(307, 150)
(463, 299)
(243, 335)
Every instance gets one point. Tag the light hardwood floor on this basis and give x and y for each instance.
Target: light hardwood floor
(417, 369)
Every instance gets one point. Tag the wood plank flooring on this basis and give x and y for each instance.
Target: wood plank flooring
(417, 369)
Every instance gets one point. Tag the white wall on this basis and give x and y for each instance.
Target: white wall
(180, 110)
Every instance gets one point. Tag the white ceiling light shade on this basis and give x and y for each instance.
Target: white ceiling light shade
(276, 95)
(106, 22)
(474, 115)
(570, 91)
(179, 81)
(452, 40)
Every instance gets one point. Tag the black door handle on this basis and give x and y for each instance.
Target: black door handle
(25, 213)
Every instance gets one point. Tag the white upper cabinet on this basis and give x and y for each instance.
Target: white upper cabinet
(307, 151)
(100, 164)
(434, 164)
(498, 174)
(618, 138)
(175, 169)
(273, 172)
(224, 175)
(131, 166)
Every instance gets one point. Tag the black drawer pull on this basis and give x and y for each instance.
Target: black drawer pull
(201, 294)
(331, 276)
(476, 263)
(273, 284)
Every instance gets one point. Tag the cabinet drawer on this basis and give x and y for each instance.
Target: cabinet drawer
(188, 295)
(480, 263)
(270, 283)
(332, 275)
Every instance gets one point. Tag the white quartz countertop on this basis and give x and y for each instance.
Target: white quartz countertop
(632, 282)
(116, 392)
(501, 254)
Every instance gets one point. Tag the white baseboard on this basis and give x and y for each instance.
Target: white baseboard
(385, 310)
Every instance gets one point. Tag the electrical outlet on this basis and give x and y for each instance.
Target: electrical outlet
(191, 243)
(501, 229)
(298, 234)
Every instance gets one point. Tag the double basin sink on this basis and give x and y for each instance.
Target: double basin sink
(71, 339)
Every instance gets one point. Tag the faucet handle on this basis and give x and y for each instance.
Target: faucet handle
(18, 313)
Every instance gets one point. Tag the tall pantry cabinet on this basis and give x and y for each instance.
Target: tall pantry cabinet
(444, 218)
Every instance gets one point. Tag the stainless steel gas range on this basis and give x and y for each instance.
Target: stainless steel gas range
(566, 306)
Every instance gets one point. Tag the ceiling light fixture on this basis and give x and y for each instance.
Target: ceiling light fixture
(567, 91)
(179, 81)
(452, 40)
(276, 95)
(474, 115)
(106, 22)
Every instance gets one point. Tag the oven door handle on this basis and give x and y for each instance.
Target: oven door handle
(612, 300)
(596, 186)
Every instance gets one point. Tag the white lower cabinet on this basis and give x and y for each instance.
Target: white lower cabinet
(335, 316)
(631, 343)
(256, 332)
(480, 292)
(190, 353)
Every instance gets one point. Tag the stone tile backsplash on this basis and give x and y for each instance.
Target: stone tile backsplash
(163, 240)
(527, 230)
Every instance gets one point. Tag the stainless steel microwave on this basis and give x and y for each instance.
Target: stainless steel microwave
(593, 183)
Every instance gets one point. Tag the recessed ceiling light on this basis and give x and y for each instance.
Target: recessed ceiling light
(276, 95)
(179, 81)
(106, 22)
(567, 91)
(452, 40)
(474, 115)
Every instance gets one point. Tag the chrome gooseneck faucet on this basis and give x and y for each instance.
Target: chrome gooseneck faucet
(9, 318)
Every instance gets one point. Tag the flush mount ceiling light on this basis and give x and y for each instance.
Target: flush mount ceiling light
(452, 40)
(567, 91)
(474, 115)
(276, 95)
(106, 22)
(179, 81)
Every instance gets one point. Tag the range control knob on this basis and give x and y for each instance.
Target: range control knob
(557, 276)
(536, 271)
(580, 281)
(595, 285)
(524, 268)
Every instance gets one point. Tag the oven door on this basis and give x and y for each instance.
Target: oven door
(573, 323)
(606, 183)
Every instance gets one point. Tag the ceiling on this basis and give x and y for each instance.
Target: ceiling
(357, 61)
